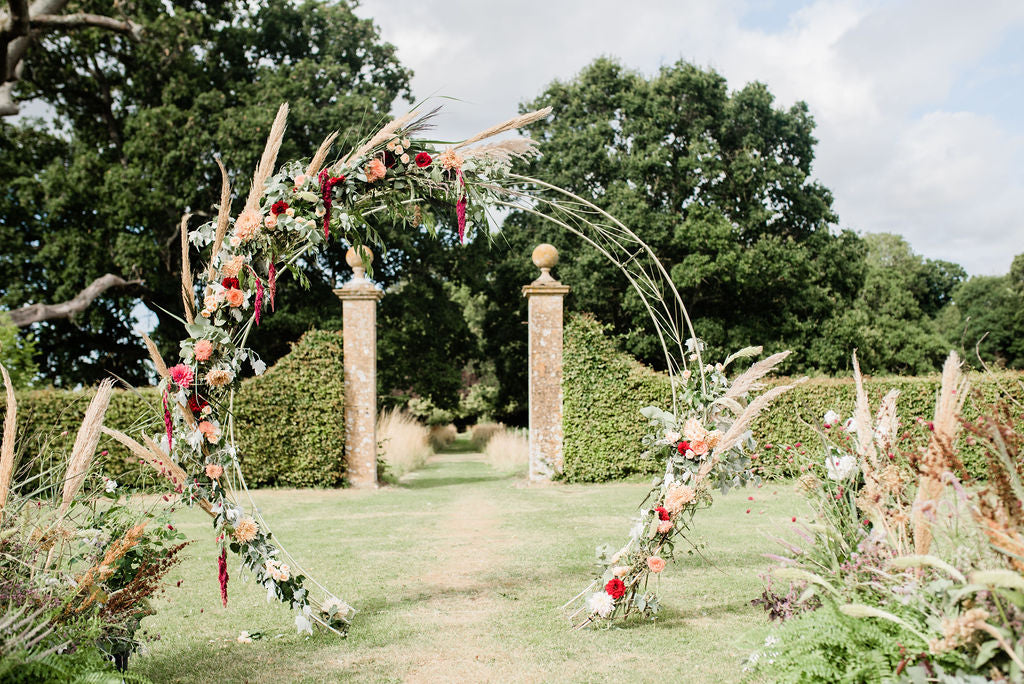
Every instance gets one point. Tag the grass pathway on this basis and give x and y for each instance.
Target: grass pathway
(458, 573)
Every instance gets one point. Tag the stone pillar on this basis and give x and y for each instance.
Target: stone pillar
(545, 295)
(359, 300)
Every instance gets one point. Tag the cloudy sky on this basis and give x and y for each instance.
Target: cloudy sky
(918, 103)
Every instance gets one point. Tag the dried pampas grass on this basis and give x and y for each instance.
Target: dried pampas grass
(504, 151)
(154, 354)
(511, 124)
(7, 446)
(188, 295)
(267, 161)
(152, 455)
(85, 444)
(746, 380)
(223, 216)
(939, 456)
(317, 162)
(750, 413)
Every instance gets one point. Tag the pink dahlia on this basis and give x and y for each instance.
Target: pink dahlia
(181, 375)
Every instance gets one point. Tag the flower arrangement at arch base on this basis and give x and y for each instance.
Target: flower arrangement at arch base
(705, 446)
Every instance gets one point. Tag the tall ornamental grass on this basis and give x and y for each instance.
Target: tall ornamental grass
(405, 443)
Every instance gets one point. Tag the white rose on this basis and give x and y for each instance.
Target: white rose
(830, 419)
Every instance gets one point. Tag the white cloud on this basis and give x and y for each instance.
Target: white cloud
(877, 75)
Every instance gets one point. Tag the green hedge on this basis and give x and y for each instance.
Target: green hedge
(290, 426)
(603, 391)
(605, 388)
(290, 421)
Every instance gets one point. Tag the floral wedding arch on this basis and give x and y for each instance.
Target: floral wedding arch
(396, 175)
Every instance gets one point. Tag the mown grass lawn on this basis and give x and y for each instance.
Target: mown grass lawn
(458, 574)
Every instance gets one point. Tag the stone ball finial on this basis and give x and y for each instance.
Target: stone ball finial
(545, 256)
(354, 258)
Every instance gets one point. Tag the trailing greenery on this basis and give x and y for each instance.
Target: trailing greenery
(291, 430)
(604, 389)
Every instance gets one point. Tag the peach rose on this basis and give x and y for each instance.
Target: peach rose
(246, 530)
(290, 211)
(300, 180)
(233, 266)
(235, 297)
(213, 471)
(210, 431)
(375, 170)
(620, 571)
(204, 350)
(714, 437)
(664, 527)
(210, 302)
(700, 448)
(656, 563)
(270, 221)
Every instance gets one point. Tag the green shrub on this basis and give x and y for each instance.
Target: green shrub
(290, 421)
(603, 391)
(290, 426)
(605, 388)
(795, 416)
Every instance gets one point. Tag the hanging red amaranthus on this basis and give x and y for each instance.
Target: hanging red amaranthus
(327, 183)
(222, 575)
(258, 304)
(272, 283)
(167, 422)
(460, 209)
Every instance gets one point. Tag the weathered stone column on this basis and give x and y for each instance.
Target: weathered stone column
(359, 300)
(545, 295)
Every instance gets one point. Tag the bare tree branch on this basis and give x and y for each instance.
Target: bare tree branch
(22, 23)
(83, 20)
(34, 313)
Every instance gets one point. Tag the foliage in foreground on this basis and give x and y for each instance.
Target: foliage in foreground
(79, 567)
(905, 541)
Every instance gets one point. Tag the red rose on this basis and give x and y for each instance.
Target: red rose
(615, 588)
(197, 403)
(229, 283)
(423, 159)
(683, 447)
(662, 513)
(279, 207)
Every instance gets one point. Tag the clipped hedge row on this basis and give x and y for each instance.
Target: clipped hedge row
(290, 426)
(605, 388)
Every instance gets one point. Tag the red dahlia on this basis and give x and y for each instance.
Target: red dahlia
(683, 447)
(423, 160)
(229, 283)
(662, 513)
(279, 207)
(615, 588)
